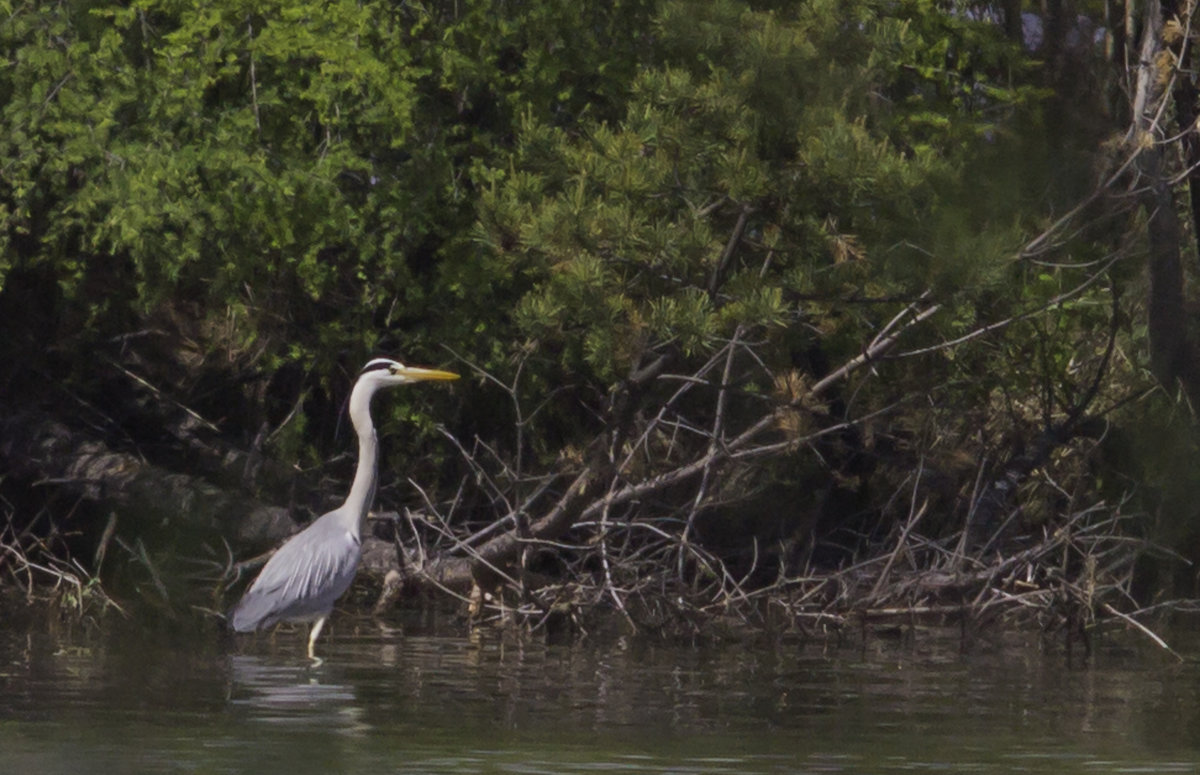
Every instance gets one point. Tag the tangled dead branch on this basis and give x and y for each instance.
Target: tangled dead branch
(1075, 578)
(618, 531)
(35, 562)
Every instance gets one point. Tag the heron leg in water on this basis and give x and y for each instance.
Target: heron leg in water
(312, 638)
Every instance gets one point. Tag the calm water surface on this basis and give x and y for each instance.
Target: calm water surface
(422, 700)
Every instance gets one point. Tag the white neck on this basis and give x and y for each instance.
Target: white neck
(362, 491)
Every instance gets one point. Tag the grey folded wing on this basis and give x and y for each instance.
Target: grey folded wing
(303, 580)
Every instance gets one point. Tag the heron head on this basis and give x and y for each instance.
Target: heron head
(386, 372)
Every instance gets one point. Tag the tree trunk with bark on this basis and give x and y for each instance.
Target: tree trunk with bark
(1172, 350)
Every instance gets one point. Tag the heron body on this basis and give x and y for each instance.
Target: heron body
(306, 576)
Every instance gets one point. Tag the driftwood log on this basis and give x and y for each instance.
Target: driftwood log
(36, 448)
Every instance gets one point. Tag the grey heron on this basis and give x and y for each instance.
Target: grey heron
(306, 576)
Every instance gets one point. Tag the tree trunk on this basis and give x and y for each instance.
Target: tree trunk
(1170, 343)
(1186, 97)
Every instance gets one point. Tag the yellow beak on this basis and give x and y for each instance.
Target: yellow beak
(417, 374)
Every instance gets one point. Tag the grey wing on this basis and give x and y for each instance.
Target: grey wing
(303, 579)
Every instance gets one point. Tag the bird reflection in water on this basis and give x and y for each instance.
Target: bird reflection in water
(291, 695)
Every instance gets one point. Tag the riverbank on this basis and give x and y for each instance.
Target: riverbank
(1074, 588)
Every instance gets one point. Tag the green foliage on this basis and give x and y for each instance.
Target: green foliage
(754, 164)
(311, 162)
(294, 161)
(182, 142)
(559, 189)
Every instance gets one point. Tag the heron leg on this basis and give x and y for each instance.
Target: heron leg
(312, 638)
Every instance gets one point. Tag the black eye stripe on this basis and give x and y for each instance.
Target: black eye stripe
(379, 364)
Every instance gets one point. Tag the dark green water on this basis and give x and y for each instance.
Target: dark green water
(424, 701)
